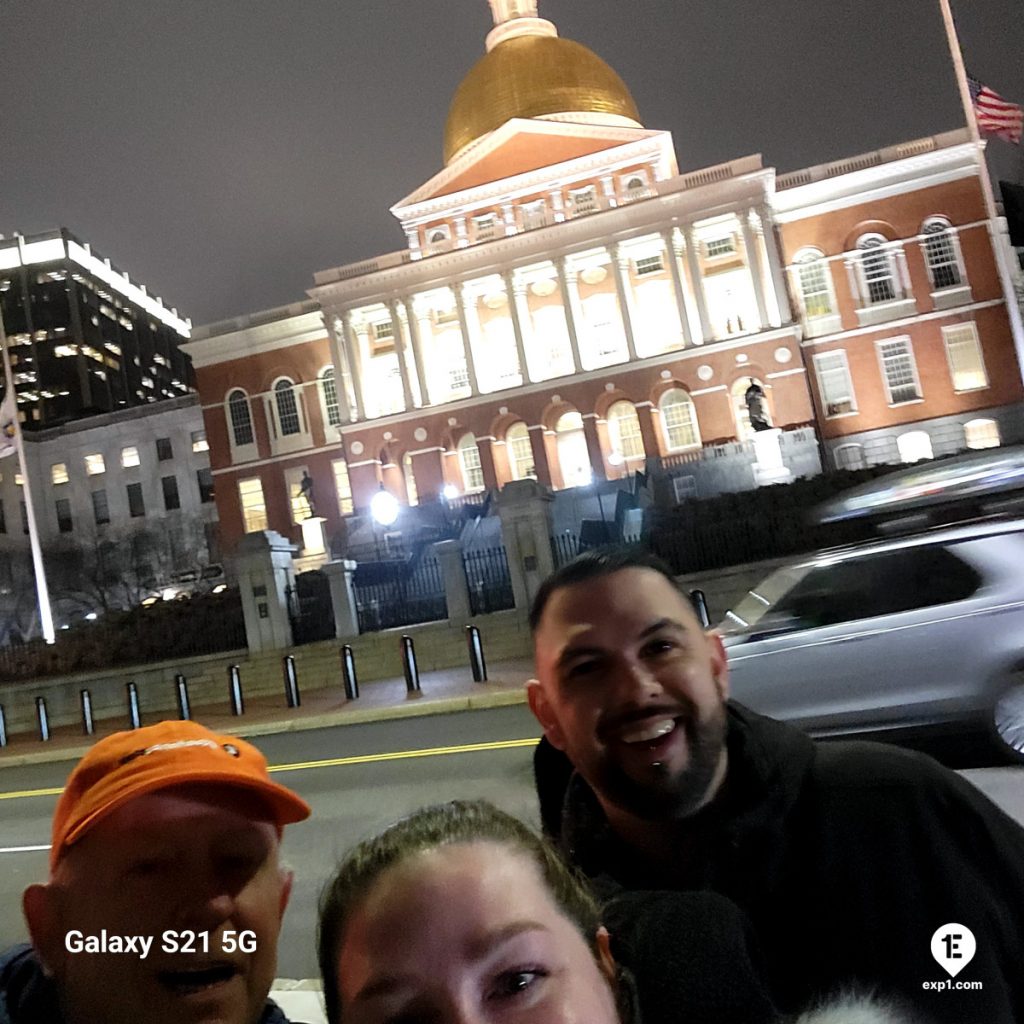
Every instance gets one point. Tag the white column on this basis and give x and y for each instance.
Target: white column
(461, 234)
(754, 266)
(853, 277)
(570, 307)
(693, 264)
(904, 270)
(409, 306)
(467, 338)
(508, 215)
(355, 362)
(412, 237)
(624, 287)
(608, 187)
(425, 333)
(513, 299)
(557, 205)
(771, 251)
(341, 374)
(403, 363)
(673, 253)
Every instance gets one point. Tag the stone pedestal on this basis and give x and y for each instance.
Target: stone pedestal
(768, 465)
(314, 545)
(524, 507)
(453, 572)
(263, 565)
(340, 575)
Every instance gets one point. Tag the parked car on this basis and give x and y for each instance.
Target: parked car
(908, 632)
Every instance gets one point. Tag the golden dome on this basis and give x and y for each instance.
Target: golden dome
(533, 76)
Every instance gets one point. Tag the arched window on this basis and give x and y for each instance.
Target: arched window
(636, 186)
(520, 452)
(982, 433)
(329, 396)
(812, 274)
(573, 456)
(878, 269)
(287, 408)
(469, 460)
(679, 419)
(624, 431)
(410, 479)
(241, 418)
(914, 445)
(940, 253)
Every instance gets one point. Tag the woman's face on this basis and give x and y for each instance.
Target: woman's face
(467, 934)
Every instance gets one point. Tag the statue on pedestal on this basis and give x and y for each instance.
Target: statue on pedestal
(757, 406)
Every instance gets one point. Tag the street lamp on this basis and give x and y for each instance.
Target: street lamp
(383, 511)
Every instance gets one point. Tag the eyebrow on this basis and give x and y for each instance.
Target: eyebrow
(476, 950)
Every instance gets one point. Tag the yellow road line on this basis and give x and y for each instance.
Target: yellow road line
(337, 762)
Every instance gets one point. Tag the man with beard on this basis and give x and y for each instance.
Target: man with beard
(849, 859)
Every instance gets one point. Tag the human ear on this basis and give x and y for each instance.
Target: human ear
(605, 961)
(287, 878)
(719, 662)
(543, 712)
(40, 905)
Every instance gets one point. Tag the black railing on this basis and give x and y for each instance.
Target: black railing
(564, 548)
(310, 608)
(488, 580)
(391, 594)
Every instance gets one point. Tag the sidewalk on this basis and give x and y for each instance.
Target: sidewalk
(444, 691)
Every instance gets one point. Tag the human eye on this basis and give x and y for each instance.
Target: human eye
(583, 668)
(510, 984)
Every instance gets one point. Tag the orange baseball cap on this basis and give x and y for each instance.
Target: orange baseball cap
(129, 764)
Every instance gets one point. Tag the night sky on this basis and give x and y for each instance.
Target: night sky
(222, 151)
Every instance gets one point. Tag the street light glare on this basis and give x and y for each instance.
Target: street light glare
(450, 492)
(384, 508)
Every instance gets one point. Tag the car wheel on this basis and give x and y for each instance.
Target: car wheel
(1008, 717)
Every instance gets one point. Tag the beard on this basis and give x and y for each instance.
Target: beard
(664, 794)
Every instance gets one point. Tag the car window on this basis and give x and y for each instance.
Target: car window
(860, 588)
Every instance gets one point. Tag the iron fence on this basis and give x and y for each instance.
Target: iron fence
(489, 580)
(391, 594)
(564, 548)
(310, 608)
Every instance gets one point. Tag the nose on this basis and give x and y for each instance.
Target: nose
(207, 899)
(634, 682)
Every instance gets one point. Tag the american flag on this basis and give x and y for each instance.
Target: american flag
(996, 116)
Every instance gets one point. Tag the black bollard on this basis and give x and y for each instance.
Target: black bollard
(134, 719)
(88, 727)
(235, 690)
(3, 727)
(348, 673)
(476, 654)
(184, 707)
(43, 718)
(291, 682)
(700, 606)
(412, 673)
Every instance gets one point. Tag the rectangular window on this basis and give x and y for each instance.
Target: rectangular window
(486, 227)
(835, 384)
(163, 449)
(899, 371)
(199, 442)
(814, 288)
(879, 272)
(129, 457)
(254, 507)
(584, 200)
(59, 473)
(649, 265)
(64, 523)
(136, 504)
(343, 487)
(715, 248)
(204, 478)
(963, 350)
(94, 464)
(100, 508)
(535, 215)
(172, 501)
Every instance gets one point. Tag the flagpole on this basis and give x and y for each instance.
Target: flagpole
(1000, 244)
(42, 593)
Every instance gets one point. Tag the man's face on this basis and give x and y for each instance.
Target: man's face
(633, 691)
(193, 858)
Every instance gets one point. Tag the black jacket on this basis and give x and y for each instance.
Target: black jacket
(28, 996)
(846, 858)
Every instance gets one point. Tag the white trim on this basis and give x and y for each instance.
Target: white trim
(906, 339)
(784, 373)
(707, 391)
(366, 462)
(425, 451)
(817, 357)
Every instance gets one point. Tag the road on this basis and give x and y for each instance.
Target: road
(350, 800)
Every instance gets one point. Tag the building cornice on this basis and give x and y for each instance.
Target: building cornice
(247, 337)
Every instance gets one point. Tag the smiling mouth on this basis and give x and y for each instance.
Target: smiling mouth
(649, 731)
(198, 979)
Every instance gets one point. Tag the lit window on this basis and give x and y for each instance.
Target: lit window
(129, 457)
(679, 419)
(59, 473)
(982, 433)
(899, 371)
(343, 487)
(287, 408)
(254, 507)
(573, 454)
(940, 253)
(813, 278)
(199, 442)
(241, 418)
(963, 350)
(878, 269)
(835, 383)
(520, 452)
(94, 464)
(914, 446)
(329, 396)
(469, 459)
(624, 431)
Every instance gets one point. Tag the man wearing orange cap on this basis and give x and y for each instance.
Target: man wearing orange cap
(166, 893)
